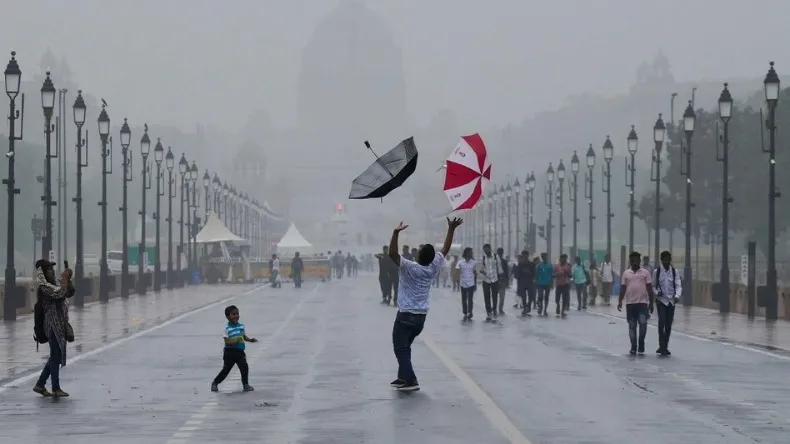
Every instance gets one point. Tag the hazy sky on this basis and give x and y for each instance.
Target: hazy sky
(182, 61)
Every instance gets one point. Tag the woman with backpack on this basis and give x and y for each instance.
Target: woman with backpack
(51, 323)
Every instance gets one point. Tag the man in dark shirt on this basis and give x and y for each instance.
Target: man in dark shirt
(406, 254)
(388, 277)
(524, 273)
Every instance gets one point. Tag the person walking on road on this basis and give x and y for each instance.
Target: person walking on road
(595, 282)
(413, 305)
(607, 277)
(233, 354)
(544, 278)
(636, 288)
(580, 281)
(524, 273)
(387, 275)
(456, 274)
(490, 269)
(562, 294)
(51, 298)
(467, 277)
(297, 266)
(670, 288)
(504, 279)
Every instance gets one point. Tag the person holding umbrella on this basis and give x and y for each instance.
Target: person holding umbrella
(413, 303)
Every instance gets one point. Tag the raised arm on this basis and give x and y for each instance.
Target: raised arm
(448, 240)
(393, 248)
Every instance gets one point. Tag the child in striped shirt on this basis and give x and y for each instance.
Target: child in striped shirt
(235, 337)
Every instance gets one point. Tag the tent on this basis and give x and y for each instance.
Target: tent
(292, 242)
(216, 231)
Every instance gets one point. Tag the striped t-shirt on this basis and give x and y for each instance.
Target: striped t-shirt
(234, 331)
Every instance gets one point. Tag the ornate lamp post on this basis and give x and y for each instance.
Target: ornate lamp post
(104, 133)
(126, 137)
(561, 201)
(608, 154)
(145, 150)
(207, 202)
(508, 195)
(80, 109)
(193, 175)
(689, 118)
(183, 166)
(13, 77)
(225, 196)
(171, 193)
(491, 223)
(531, 183)
(517, 192)
(659, 132)
(573, 190)
(48, 104)
(216, 185)
(630, 169)
(588, 194)
(159, 156)
(501, 196)
(771, 83)
(549, 198)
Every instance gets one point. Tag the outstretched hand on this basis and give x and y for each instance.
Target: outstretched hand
(455, 222)
(401, 227)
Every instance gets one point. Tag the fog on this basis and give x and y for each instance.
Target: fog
(277, 97)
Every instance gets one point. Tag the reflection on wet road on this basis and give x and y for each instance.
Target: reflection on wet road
(322, 369)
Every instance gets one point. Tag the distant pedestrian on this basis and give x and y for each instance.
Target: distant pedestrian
(413, 305)
(544, 278)
(504, 278)
(581, 279)
(233, 354)
(387, 276)
(467, 272)
(595, 282)
(456, 274)
(490, 269)
(51, 300)
(636, 288)
(297, 267)
(524, 272)
(669, 289)
(607, 277)
(562, 293)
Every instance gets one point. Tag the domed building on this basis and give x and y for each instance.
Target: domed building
(350, 89)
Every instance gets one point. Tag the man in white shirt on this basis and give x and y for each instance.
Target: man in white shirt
(607, 277)
(415, 278)
(491, 268)
(669, 288)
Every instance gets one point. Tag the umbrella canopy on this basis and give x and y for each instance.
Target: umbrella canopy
(387, 173)
(468, 172)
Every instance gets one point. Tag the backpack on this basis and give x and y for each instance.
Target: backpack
(39, 334)
(674, 278)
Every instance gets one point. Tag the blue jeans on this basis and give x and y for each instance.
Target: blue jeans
(52, 367)
(405, 330)
(637, 314)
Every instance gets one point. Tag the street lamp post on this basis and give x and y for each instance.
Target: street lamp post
(561, 203)
(772, 98)
(193, 175)
(689, 118)
(491, 233)
(725, 112)
(13, 77)
(508, 196)
(501, 217)
(574, 192)
(206, 201)
(159, 156)
(48, 104)
(126, 136)
(80, 109)
(225, 194)
(171, 193)
(549, 199)
(531, 220)
(104, 133)
(630, 170)
(659, 132)
(517, 191)
(608, 154)
(145, 150)
(183, 166)
(588, 194)
(216, 185)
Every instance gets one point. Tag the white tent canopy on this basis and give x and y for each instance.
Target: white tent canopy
(293, 241)
(216, 231)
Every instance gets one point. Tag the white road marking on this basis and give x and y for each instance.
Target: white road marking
(111, 345)
(193, 424)
(495, 415)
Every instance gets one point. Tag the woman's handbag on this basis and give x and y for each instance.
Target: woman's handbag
(69, 332)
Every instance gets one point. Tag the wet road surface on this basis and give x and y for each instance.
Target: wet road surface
(322, 369)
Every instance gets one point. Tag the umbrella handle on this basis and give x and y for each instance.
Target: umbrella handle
(367, 145)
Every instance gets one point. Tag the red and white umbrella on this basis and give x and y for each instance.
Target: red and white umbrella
(467, 173)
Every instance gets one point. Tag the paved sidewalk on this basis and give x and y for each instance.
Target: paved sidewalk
(98, 323)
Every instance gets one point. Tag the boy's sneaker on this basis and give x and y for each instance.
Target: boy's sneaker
(632, 352)
(58, 393)
(41, 390)
(398, 383)
(214, 387)
(641, 349)
(469, 316)
(409, 387)
(248, 388)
